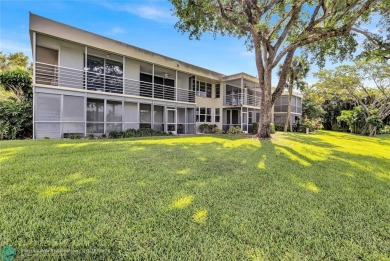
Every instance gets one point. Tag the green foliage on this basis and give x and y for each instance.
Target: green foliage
(385, 129)
(203, 127)
(234, 130)
(15, 119)
(14, 61)
(272, 128)
(255, 127)
(208, 128)
(19, 82)
(353, 119)
(312, 125)
(129, 133)
(374, 119)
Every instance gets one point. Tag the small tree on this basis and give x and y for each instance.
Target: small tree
(275, 30)
(298, 70)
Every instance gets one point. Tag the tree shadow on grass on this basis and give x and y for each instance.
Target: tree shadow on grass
(216, 198)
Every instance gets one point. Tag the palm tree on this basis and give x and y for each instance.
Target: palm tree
(298, 71)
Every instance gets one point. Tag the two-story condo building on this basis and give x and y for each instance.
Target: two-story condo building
(89, 84)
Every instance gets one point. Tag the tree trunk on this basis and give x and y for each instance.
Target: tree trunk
(288, 121)
(265, 108)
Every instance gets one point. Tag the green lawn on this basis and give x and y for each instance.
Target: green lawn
(297, 197)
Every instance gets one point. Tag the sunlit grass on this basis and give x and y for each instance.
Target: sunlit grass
(298, 197)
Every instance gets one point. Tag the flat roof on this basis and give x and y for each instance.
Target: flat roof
(59, 30)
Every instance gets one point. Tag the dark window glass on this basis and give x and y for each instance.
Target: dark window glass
(217, 91)
(217, 115)
(114, 111)
(208, 90)
(95, 73)
(146, 85)
(95, 110)
(114, 77)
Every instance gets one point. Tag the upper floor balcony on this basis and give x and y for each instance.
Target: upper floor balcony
(241, 99)
(109, 82)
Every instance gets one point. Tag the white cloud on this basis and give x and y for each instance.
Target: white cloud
(147, 10)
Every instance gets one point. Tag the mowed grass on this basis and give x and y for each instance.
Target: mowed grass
(298, 197)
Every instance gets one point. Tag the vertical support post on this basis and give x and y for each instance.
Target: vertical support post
(152, 81)
(242, 92)
(185, 121)
(61, 114)
(104, 116)
(124, 75)
(176, 86)
(152, 115)
(138, 115)
(85, 68)
(34, 56)
(123, 113)
(85, 114)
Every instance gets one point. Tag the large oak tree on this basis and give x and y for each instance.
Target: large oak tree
(275, 29)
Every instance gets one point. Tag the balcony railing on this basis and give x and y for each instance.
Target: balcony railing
(241, 99)
(53, 75)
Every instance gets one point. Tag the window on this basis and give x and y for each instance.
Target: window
(203, 114)
(104, 75)
(95, 116)
(202, 89)
(114, 111)
(217, 90)
(217, 115)
(145, 116)
(164, 88)
(208, 90)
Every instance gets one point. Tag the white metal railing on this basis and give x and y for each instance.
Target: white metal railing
(241, 99)
(54, 75)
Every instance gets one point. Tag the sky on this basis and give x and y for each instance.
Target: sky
(147, 24)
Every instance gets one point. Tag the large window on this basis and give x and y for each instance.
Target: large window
(202, 89)
(104, 75)
(233, 95)
(95, 116)
(164, 88)
(203, 114)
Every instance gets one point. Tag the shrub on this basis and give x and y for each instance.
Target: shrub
(211, 128)
(219, 131)
(234, 130)
(385, 130)
(15, 119)
(271, 128)
(255, 128)
(74, 136)
(91, 136)
(129, 133)
(306, 123)
(203, 127)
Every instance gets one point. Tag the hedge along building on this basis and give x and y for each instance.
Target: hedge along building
(85, 83)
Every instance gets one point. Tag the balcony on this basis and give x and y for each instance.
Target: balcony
(53, 75)
(241, 100)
